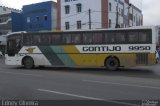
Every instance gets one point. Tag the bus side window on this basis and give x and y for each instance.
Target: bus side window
(27, 39)
(97, 38)
(18, 43)
(56, 39)
(66, 38)
(45, 39)
(120, 37)
(76, 38)
(36, 40)
(106, 38)
(144, 37)
(133, 37)
(87, 38)
(110, 38)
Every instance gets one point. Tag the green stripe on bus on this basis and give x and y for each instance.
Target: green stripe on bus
(63, 56)
(50, 55)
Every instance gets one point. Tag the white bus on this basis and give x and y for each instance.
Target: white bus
(110, 48)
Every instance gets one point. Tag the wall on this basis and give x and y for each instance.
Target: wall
(38, 10)
(104, 13)
(126, 13)
(73, 17)
(17, 22)
(100, 14)
(54, 16)
(5, 24)
(137, 16)
(122, 13)
(6, 20)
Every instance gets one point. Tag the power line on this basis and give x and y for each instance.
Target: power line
(89, 12)
(84, 16)
(89, 16)
(78, 19)
(73, 15)
(103, 11)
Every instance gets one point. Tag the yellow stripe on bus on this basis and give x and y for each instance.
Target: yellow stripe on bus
(99, 59)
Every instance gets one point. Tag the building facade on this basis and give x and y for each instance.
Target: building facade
(95, 14)
(6, 19)
(136, 18)
(34, 17)
(7, 10)
(40, 16)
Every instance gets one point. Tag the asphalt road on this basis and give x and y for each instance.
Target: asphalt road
(97, 84)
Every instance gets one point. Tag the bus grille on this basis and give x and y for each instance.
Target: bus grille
(142, 58)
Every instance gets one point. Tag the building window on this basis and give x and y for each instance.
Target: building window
(67, 25)
(5, 19)
(110, 7)
(68, 0)
(110, 23)
(28, 19)
(67, 9)
(79, 25)
(122, 12)
(79, 8)
(45, 18)
(37, 18)
(4, 9)
(122, 26)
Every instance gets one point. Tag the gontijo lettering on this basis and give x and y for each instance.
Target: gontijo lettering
(101, 48)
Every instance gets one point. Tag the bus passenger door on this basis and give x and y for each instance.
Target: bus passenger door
(14, 45)
(11, 47)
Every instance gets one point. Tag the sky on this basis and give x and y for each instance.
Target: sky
(150, 8)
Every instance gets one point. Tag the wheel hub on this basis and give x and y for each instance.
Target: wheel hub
(112, 63)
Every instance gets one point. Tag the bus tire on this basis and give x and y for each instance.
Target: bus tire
(112, 63)
(28, 63)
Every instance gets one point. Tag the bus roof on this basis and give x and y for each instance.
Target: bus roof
(16, 33)
(110, 29)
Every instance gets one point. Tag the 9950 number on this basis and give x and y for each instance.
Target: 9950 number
(139, 48)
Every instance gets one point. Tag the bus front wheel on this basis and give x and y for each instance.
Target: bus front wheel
(28, 62)
(112, 63)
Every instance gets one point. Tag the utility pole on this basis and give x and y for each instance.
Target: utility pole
(89, 11)
(117, 25)
(129, 14)
(128, 17)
